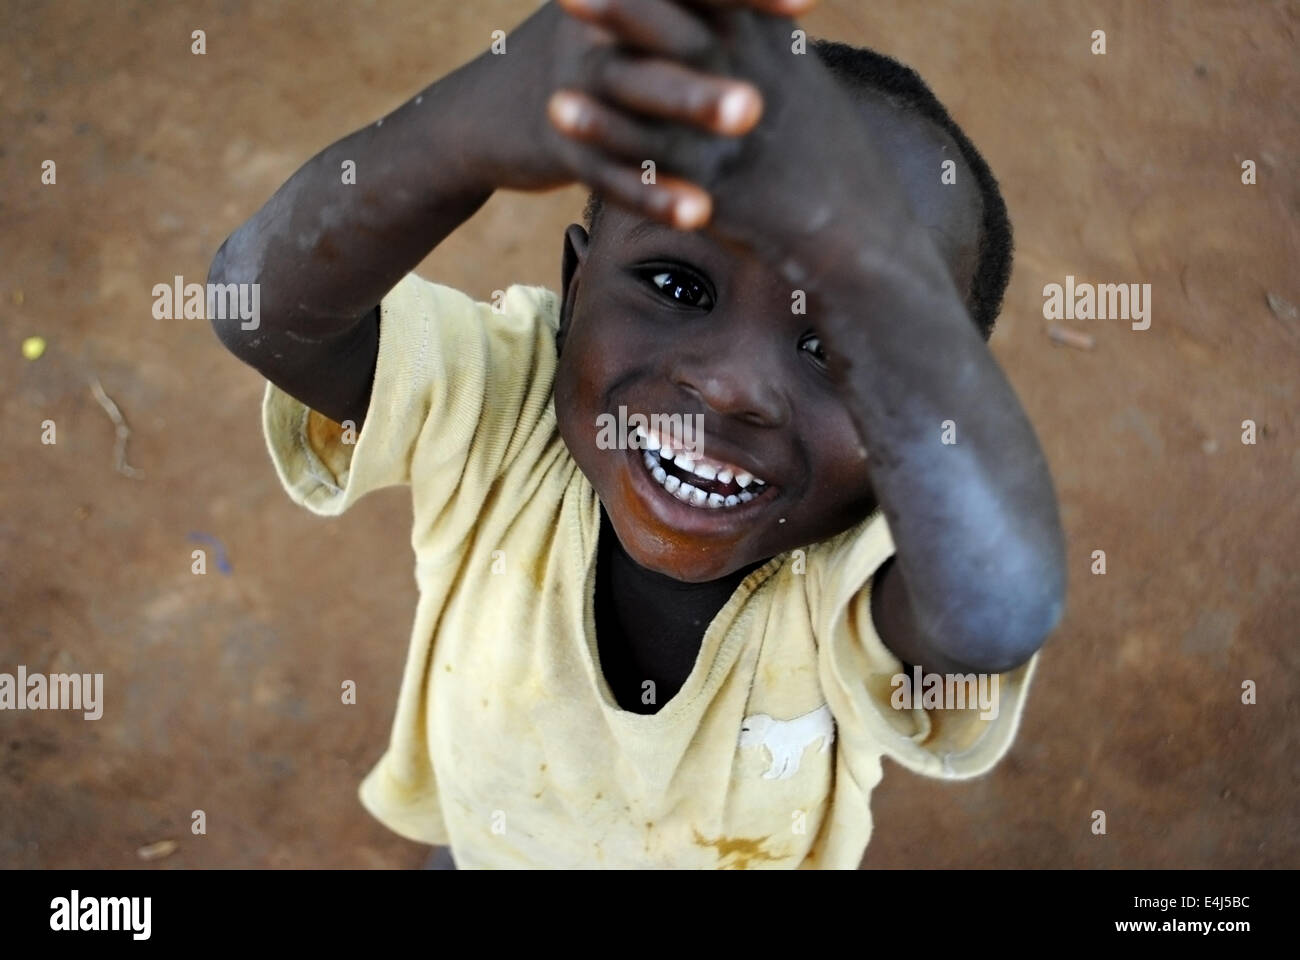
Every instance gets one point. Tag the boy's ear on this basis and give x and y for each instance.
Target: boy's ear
(576, 244)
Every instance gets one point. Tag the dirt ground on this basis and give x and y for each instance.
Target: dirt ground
(222, 691)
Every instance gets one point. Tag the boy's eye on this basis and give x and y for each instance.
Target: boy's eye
(813, 344)
(679, 286)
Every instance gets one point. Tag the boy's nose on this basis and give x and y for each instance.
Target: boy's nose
(731, 387)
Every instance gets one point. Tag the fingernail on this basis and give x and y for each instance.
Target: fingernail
(566, 110)
(690, 210)
(736, 108)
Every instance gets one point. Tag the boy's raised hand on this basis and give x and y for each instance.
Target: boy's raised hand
(599, 87)
(804, 166)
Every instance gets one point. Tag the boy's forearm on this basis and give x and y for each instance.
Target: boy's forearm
(952, 456)
(325, 250)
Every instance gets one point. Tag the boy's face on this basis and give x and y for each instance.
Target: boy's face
(667, 323)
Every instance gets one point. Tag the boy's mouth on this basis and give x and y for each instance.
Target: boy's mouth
(696, 481)
(698, 484)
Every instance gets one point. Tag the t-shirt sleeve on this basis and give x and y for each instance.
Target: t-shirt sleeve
(457, 385)
(861, 677)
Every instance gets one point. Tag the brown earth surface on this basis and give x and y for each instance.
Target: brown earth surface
(222, 690)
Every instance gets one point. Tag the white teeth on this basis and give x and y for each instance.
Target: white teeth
(743, 480)
(692, 495)
(647, 442)
(666, 453)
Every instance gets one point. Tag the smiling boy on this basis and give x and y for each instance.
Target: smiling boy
(631, 657)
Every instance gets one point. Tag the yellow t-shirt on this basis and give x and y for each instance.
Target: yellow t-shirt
(507, 743)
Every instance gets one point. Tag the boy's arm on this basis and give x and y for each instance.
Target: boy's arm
(325, 251)
(978, 579)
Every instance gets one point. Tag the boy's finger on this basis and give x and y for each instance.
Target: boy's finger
(669, 200)
(780, 8)
(653, 26)
(587, 120)
(670, 91)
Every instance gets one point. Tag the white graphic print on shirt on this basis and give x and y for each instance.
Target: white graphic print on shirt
(786, 739)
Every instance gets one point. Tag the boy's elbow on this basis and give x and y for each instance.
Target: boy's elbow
(1019, 635)
(1028, 628)
(1014, 621)
(227, 325)
(1033, 598)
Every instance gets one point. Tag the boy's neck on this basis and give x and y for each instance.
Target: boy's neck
(649, 626)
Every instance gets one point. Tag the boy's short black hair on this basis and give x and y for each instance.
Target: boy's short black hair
(862, 68)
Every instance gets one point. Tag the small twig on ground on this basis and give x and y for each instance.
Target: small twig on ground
(1285, 311)
(156, 851)
(123, 431)
(1071, 338)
